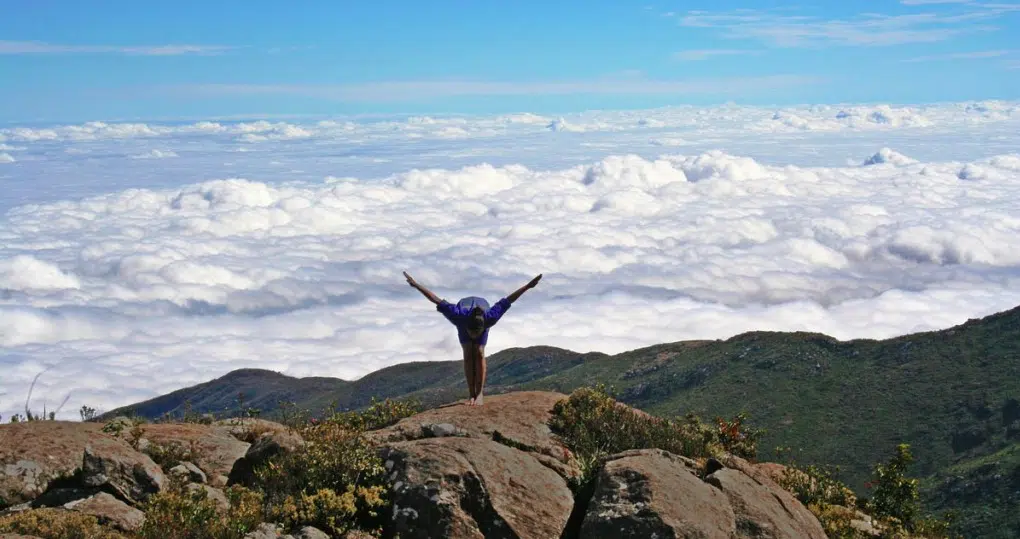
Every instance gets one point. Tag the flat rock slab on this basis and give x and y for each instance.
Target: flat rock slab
(34, 454)
(110, 511)
(218, 449)
(473, 488)
(519, 419)
(653, 493)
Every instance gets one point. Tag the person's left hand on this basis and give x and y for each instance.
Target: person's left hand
(535, 281)
(410, 280)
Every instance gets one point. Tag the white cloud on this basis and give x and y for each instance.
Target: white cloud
(650, 226)
(865, 29)
(424, 90)
(933, 2)
(155, 154)
(975, 55)
(6, 158)
(889, 156)
(39, 47)
(705, 54)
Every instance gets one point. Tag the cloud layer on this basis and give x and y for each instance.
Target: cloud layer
(154, 282)
(40, 47)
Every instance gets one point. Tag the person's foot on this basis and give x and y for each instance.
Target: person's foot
(478, 400)
(471, 401)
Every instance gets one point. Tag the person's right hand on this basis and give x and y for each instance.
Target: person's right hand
(410, 280)
(535, 281)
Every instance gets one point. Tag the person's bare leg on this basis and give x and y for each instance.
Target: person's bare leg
(469, 372)
(479, 374)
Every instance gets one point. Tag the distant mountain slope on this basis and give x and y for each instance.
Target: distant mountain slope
(952, 394)
(265, 389)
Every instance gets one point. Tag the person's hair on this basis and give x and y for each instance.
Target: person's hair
(476, 321)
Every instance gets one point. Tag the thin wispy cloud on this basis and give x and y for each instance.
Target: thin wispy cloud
(39, 47)
(705, 54)
(933, 2)
(423, 90)
(866, 29)
(976, 55)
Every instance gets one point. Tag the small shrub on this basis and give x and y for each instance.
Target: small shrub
(87, 413)
(56, 524)
(817, 485)
(179, 513)
(168, 455)
(336, 480)
(895, 499)
(835, 520)
(326, 509)
(592, 424)
(378, 415)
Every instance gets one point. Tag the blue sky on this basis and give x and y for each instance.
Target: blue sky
(114, 60)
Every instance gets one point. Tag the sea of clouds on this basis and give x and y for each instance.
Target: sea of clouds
(139, 258)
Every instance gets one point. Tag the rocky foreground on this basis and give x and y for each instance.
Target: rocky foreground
(454, 471)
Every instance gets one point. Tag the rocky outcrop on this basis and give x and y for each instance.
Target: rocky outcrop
(215, 448)
(762, 512)
(109, 510)
(131, 475)
(35, 454)
(652, 493)
(519, 419)
(470, 487)
(454, 472)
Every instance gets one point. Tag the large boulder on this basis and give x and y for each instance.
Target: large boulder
(110, 511)
(216, 449)
(764, 511)
(653, 493)
(519, 420)
(38, 455)
(109, 465)
(768, 475)
(457, 487)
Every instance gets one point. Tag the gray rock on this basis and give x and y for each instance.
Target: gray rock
(309, 532)
(188, 472)
(442, 430)
(132, 475)
(264, 531)
(763, 511)
(457, 487)
(654, 493)
(109, 511)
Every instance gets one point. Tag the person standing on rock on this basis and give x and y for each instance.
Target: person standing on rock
(473, 317)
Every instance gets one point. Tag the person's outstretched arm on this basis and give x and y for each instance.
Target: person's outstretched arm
(517, 293)
(425, 291)
(499, 309)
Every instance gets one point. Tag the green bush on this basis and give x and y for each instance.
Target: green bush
(817, 485)
(56, 524)
(593, 425)
(895, 499)
(179, 513)
(336, 480)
